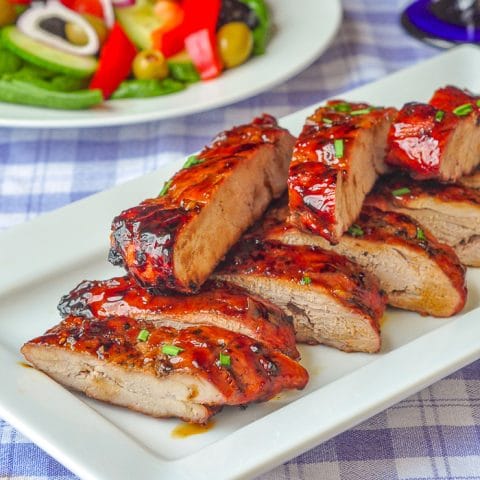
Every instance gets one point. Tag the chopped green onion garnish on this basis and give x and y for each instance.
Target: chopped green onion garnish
(306, 280)
(477, 103)
(342, 107)
(355, 231)
(338, 144)
(439, 115)
(420, 234)
(192, 160)
(362, 111)
(171, 350)
(165, 188)
(224, 359)
(143, 335)
(327, 121)
(464, 109)
(400, 191)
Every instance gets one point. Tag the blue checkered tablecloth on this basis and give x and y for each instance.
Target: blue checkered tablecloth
(434, 434)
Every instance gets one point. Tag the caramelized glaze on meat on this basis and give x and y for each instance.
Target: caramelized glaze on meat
(415, 270)
(450, 212)
(255, 372)
(175, 240)
(384, 192)
(217, 303)
(331, 300)
(335, 163)
(431, 141)
(303, 266)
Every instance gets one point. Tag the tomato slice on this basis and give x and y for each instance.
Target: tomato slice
(91, 7)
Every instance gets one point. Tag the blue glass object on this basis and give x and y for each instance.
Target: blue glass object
(444, 22)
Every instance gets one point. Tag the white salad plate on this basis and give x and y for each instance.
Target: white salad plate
(301, 33)
(47, 257)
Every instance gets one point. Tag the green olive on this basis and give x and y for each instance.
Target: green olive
(8, 14)
(235, 43)
(76, 34)
(150, 64)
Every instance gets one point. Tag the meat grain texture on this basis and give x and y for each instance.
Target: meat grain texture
(450, 212)
(331, 300)
(218, 303)
(335, 163)
(415, 270)
(167, 372)
(174, 241)
(161, 352)
(439, 140)
(472, 180)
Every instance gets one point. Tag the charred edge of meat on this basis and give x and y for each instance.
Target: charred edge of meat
(450, 212)
(435, 140)
(294, 276)
(218, 303)
(173, 241)
(143, 237)
(335, 163)
(253, 371)
(381, 239)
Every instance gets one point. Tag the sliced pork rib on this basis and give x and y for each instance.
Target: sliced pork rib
(415, 270)
(165, 372)
(438, 140)
(176, 239)
(472, 180)
(331, 300)
(335, 164)
(217, 303)
(450, 212)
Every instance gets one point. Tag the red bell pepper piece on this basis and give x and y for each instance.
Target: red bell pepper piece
(115, 63)
(170, 42)
(202, 49)
(169, 37)
(91, 7)
(203, 14)
(198, 15)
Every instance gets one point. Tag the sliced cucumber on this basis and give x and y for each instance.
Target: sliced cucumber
(45, 56)
(139, 22)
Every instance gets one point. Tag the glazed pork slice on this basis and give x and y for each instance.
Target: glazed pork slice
(439, 140)
(331, 300)
(472, 180)
(217, 303)
(415, 270)
(165, 372)
(174, 241)
(335, 163)
(450, 212)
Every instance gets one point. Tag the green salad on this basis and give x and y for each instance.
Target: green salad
(75, 54)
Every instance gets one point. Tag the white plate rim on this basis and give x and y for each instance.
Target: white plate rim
(231, 87)
(335, 407)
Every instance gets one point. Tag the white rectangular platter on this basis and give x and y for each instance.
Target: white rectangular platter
(45, 258)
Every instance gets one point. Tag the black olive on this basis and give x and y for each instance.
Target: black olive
(236, 11)
(54, 25)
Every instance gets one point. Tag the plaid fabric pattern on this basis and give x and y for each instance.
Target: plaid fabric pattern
(431, 435)
(434, 434)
